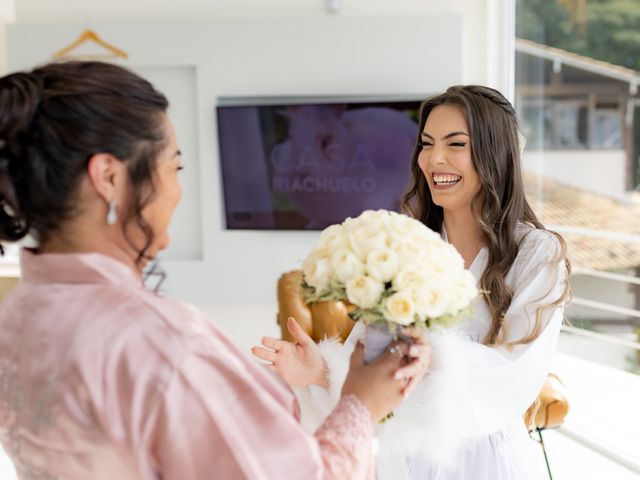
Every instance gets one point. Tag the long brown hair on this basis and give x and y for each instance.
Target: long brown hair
(52, 120)
(500, 202)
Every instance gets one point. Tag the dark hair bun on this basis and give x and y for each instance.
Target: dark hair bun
(20, 96)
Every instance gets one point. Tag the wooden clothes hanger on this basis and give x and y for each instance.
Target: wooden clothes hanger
(90, 36)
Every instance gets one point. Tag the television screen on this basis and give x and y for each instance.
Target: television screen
(307, 166)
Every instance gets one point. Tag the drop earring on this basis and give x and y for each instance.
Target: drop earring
(112, 214)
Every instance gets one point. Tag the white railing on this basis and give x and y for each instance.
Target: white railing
(578, 436)
(601, 448)
(616, 277)
(581, 332)
(607, 307)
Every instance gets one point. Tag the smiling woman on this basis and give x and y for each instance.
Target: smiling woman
(464, 420)
(480, 142)
(445, 158)
(468, 185)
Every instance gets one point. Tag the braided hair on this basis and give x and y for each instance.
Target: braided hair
(500, 202)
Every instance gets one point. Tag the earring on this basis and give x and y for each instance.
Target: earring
(112, 214)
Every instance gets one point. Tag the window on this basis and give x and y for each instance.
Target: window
(607, 128)
(577, 66)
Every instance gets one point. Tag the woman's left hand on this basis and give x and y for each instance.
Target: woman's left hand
(300, 364)
(419, 359)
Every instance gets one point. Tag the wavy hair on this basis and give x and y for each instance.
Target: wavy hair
(500, 202)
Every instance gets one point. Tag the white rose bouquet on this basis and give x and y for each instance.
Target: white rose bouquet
(395, 270)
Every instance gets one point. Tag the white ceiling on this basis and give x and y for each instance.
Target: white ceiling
(53, 11)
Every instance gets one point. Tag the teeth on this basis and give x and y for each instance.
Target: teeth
(446, 179)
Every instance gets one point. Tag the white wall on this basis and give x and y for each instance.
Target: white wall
(599, 171)
(7, 15)
(487, 25)
(294, 49)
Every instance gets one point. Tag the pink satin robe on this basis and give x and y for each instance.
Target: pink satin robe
(101, 378)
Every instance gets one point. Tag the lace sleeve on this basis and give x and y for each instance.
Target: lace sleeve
(345, 440)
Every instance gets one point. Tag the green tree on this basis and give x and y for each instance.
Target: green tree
(547, 22)
(607, 30)
(613, 32)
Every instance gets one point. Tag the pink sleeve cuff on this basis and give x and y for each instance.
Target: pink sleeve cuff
(346, 441)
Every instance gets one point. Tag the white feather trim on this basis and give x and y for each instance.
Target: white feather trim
(431, 421)
(316, 403)
(336, 356)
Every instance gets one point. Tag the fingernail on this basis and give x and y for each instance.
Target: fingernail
(414, 351)
(398, 375)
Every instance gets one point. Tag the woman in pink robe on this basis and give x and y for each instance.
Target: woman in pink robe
(103, 378)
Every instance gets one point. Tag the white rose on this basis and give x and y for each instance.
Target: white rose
(317, 272)
(415, 227)
(348, 225)
(463, 292)
(409, 251)
(397, 232)
(332, 238)
(364, 291)
(367, 239)
(382, 264)
(433, 298)
(437, 267)
(393, 243)
(379, 217)
(469, 285)
(411, 280)
(330, 231)
(346, 265)
(452, 257)
(410, 227)
(399, 308)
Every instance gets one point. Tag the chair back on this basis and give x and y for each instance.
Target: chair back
(319, 320)
(550, 408)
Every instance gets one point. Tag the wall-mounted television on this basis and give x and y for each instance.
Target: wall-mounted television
(305, 165)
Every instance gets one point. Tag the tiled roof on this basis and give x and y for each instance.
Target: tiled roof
(559, 204)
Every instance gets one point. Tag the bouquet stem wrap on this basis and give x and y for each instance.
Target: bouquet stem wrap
(377, 338)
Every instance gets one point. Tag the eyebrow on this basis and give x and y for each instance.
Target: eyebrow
(448, 135)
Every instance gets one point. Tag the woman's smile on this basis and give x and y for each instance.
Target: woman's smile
(443, 181)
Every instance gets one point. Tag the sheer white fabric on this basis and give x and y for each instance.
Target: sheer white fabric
(465, 418)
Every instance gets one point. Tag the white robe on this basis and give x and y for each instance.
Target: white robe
(464, 420)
